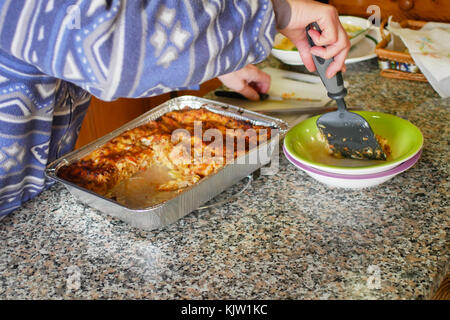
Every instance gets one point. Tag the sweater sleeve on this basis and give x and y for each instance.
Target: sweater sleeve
(129, 48)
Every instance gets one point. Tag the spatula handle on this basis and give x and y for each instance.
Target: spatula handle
(335, 85)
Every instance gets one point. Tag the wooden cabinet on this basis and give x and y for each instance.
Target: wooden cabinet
(104, 117)
(428, 10)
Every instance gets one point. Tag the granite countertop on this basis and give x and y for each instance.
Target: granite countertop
(287, 237)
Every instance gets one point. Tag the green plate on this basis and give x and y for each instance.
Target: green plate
(304, 144)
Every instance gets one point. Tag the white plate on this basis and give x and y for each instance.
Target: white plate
(363, 50)
(297, 86)
(358, 22)
(353, 181)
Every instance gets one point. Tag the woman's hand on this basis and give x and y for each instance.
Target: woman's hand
(248, 81)
(333, 36)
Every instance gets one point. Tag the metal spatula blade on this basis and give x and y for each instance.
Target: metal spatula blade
(348, 134)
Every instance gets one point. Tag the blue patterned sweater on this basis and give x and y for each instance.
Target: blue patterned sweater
(55, 53)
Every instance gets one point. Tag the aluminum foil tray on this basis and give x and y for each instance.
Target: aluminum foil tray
(188, 199)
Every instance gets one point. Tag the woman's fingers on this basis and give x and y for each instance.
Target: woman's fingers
(249, 93)
(327, 36)
(337, 50)
(332, 40)
(339, 54)
(305, 52)
(248, 81)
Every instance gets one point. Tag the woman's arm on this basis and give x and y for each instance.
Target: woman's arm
(128, 48)
(292, 17)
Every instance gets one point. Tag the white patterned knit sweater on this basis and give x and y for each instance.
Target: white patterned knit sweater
(55, 53)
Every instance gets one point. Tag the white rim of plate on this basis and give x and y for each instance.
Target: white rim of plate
(394, 171)
(347, 61)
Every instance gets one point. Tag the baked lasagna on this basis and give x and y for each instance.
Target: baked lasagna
(171, 142)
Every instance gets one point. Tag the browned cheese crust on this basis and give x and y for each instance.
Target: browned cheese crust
(153, 144)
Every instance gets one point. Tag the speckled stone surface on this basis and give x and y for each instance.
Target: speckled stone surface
(287, 237)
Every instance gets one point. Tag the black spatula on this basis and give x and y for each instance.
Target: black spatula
(348, 134)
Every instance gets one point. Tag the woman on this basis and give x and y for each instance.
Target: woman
(53, 56)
